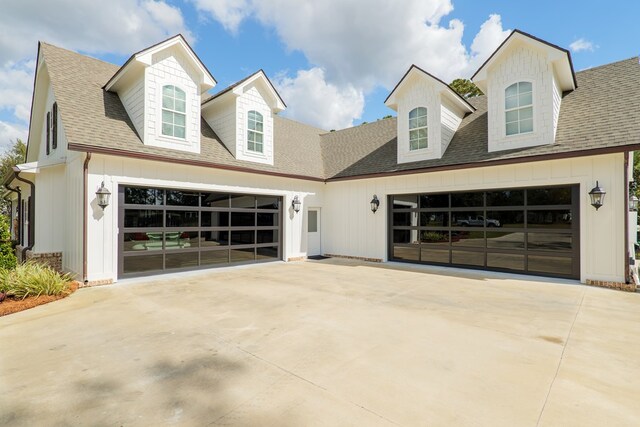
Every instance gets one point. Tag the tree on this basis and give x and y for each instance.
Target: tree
(12, 156)
(465, 88)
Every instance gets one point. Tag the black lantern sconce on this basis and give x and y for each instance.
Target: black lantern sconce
(597, 194)
(103, 196)
(296, 204)
(375, 204)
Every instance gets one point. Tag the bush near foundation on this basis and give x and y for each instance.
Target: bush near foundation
(7, 256)
(31, 279)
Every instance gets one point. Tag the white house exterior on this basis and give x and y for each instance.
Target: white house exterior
(497, 182)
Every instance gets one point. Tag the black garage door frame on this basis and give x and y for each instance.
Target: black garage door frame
(451, 220)
(175, 217)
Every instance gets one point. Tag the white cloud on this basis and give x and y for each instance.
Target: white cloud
(229, 13)
(120, 27)
(581, 45)
(9, 132)
(333, 107)
(366, 46)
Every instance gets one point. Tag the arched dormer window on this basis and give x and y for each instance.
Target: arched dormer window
(518, 107)
(174, 111)
(418, 129)
(255, 131)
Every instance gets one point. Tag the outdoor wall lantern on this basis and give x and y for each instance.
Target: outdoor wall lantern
(633, 203)
(296, 204)
(597, 196)
(375, 204)
(103, 196)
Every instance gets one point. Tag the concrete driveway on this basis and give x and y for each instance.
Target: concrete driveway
(326, 343)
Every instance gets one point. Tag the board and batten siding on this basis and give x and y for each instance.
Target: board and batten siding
(222, 119)
(557, 101)
(114, 171)
(450, 119)
(353, 230)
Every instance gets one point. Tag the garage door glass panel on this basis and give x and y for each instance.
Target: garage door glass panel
(182, 198)
(462, 200)
(506, 261)
(214, 238)
(267, 219)
(550, 264)
(243, 219)
(434, 201)
(142, 218)
(405, 201)
(143, 196)
(243, 255)
(214, 257)
(512, 229)
(182, 218)
(508, 219)
(181, 240)
(504, 240)
(243, 237)
(181, 260)
(468, 219)
(549, 219)
(550, 242)
(473, 239)
(214, 200)
(505, 198)
(214, 219)
(549, 196)
(136, 242)
(144, 263)
(188, 229)
(434, 219)
(435, 237)
(242, 201)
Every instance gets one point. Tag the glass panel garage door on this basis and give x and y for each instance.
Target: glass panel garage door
(167, 229)
(526, 230)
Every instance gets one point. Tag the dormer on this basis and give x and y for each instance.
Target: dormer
(429, 113)
(242, 117)
(524, 80)
(161, 89)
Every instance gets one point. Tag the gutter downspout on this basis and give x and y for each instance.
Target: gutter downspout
(32, 214)
(85, 197)
(627, 255)
(18, 210)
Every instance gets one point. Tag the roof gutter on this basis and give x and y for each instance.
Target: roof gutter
(19, 210)
(32, 213)
(85, 202)
(627, 254)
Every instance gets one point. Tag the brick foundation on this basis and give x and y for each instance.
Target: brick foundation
(627, 287)
(96, 283)
(358, 258)
(52, 259)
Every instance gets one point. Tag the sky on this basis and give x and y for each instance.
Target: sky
(333, 61)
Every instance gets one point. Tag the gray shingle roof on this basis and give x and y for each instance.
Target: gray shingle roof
(603, 112)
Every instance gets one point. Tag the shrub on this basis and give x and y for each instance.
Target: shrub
(33, 279)
(7, 256)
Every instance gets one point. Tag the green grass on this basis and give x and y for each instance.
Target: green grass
(31, 279)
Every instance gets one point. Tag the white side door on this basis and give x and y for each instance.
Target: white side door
(314, 245)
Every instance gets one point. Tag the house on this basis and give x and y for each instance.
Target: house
(498, 182)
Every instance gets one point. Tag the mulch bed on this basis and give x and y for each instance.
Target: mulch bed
(12, 305)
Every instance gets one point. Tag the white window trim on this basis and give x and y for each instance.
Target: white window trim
(417, 150)
(504, 111)
(263, 144)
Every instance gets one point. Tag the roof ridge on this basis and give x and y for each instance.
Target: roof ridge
(635, 57)
(323, 131)
(84, 55)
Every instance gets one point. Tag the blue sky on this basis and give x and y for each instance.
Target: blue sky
(334, 61)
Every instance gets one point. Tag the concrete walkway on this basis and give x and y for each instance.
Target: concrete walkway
(326, 343)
